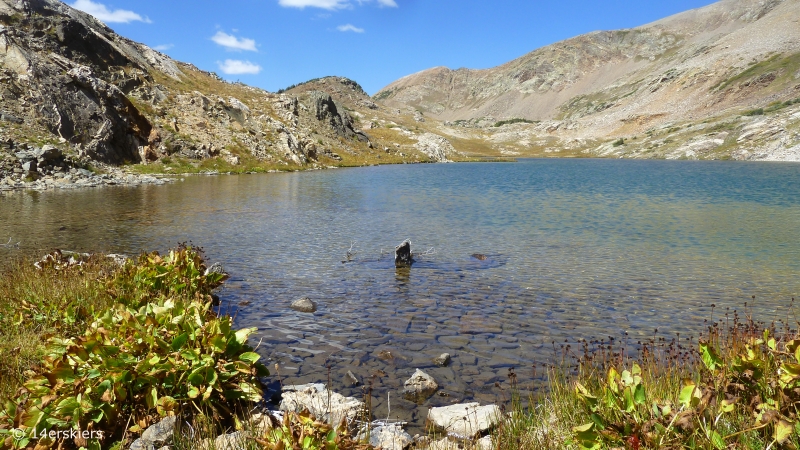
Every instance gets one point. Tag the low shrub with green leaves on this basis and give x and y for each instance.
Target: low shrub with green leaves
(747, 400)
(302, 431)
(159, 351)
(737, 386)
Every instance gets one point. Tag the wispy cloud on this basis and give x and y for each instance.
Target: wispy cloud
(163, 47)
(348, 27)
(332, 4)
(102, 13)
(389, 3)
(324, 4)
(237, 67)
(231, 42)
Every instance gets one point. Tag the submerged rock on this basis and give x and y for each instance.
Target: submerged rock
(442, 360)
(419, 387)
(465, 420)
(351, 379)
(304, 304)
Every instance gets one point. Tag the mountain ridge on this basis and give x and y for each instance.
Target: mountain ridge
(719, 82)
(719, 60)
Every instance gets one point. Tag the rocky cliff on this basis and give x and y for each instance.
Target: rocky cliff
(100, 100)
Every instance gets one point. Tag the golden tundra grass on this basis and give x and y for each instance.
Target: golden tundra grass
(33, 306)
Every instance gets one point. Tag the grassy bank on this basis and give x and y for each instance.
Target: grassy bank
(105, 347)
(738, 386)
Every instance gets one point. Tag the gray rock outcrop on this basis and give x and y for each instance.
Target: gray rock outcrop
(436, 147)
(326, 110)
(58, 73)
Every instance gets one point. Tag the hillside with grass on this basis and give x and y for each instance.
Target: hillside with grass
(102, 102)
(729, 73)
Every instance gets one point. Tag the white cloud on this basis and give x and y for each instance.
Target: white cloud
(102, 13)
(349, 27)
(163, 47)
(324, 4)
(332, 4)
(233, 43)
(237, 67)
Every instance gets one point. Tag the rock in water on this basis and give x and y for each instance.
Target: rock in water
(216, 268)
(304, 305)
(442, 360)
(465, 420)
(351, 379)
(419, 387)
(402, 254)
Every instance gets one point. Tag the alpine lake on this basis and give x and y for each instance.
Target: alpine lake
(514, 260)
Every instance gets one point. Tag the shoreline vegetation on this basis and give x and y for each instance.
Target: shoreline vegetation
(182, 167)
(100, 349)
(162, 172)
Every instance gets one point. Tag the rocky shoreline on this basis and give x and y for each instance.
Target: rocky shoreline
(458, 426)
(23, 166)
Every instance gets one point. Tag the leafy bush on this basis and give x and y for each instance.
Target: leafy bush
(302, 431)
(618, 142)
(159, 350)
(181, 274)
(755, 391)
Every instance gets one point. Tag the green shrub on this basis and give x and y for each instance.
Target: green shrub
(511, 121)
(300, 430)
(754, 390)
(754, 112)
(158, 351)
(618, 142)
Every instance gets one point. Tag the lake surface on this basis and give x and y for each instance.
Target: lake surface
(575, 249)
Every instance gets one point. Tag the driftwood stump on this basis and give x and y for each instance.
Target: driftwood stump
(402, 254)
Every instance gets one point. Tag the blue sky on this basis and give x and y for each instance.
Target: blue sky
(275, 43)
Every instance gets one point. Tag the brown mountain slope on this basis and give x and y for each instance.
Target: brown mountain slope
(719, 60)
(92, 98)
